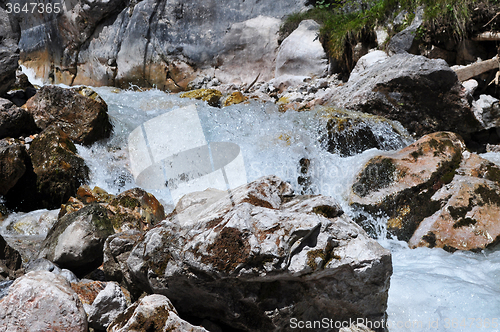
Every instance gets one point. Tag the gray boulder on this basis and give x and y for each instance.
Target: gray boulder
(487, 111)
(9, 56)
(108, 304)
(15, 121)
(42, 301)
(76, 241)
(42, 264)
(257, 258)
(152, 313)
(405, 41)
(301, 53)
(424, 95)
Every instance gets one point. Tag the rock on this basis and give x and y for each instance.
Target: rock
(9, 56)
(470, 209)
(249, 49)
(76, 241)
(79, 112)
(356, 328)
(152, 313)
(117, 249)
(410, 89)
(150, 43)
(400, 184)
(15, 121)
(257, 258)
(487, 111)
(470, 87)
(42, 301)
(109, 303)
(405, 41)
(42, 264)
(132, 209)
(235, 98)
(438, 53)
(87, 291)
(13, 157)
(211, 96)
(283, 82)
(59, 169)
(366, 62)
(301, 53)
(10, 261)
(4, 287)
(349, 133)
(37, 223)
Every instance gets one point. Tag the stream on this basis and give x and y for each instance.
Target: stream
(431, 289)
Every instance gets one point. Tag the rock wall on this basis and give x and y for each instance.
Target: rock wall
(149, 43)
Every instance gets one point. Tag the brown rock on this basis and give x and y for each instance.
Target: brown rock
(13, 158)
(79, 112)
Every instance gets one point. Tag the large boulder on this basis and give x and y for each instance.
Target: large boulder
(59, 169)
(107, 305)
(76, 241)
(15, 121)
(9, 55)
(152, 313)
(79, 112)
(13, 157)
(432, 193)
(257, 257)
(42, 301)
(301, 53)
(424, 95)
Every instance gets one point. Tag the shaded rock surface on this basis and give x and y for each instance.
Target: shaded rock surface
(152, 313)
(10, 261)
(9, 56)
(13, 158)
(424, 95)
(79, 112)
(42, 301)
(15, 121)
(255, 259)
(76, 241)
(42, 264)
(108, 304)
(434, 193)
(301, 53)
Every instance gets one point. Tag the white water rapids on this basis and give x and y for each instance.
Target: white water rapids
(431, 290)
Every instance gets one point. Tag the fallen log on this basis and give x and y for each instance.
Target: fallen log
(476, 68)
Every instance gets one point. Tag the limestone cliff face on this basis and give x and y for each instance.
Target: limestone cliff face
(161, 43)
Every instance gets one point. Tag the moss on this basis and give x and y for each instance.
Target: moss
(416, 154)
(327, 211)
(326, 255)
(430, 238)
(211, 96)
(460, 212)
(492, 173)
(235, 98)
(228, 251)
(464, 222)
(488, 195)
(378, 173)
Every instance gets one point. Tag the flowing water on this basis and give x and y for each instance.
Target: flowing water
(431, 290)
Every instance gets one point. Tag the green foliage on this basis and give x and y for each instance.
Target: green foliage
(345, 21)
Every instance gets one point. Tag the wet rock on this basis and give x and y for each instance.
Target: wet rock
(42, 301)
(301, 53)
(470, 209)
(399, 185)
(15, 121)
(409, 89)
(487, 111)
(59, 169)
(108, 304)
(4, 288)
(132, 209)
(76, 241)
(350, 133)
(9, 56)
(153, 312)
(117, 249)
(42, 264)
(256, 258)
(10, 261)
(235, 98)
(79, 112)
(211, 96)
(37, 223)
(13, 158)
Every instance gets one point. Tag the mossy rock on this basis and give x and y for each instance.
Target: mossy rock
(211, 96)
(235, 98)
